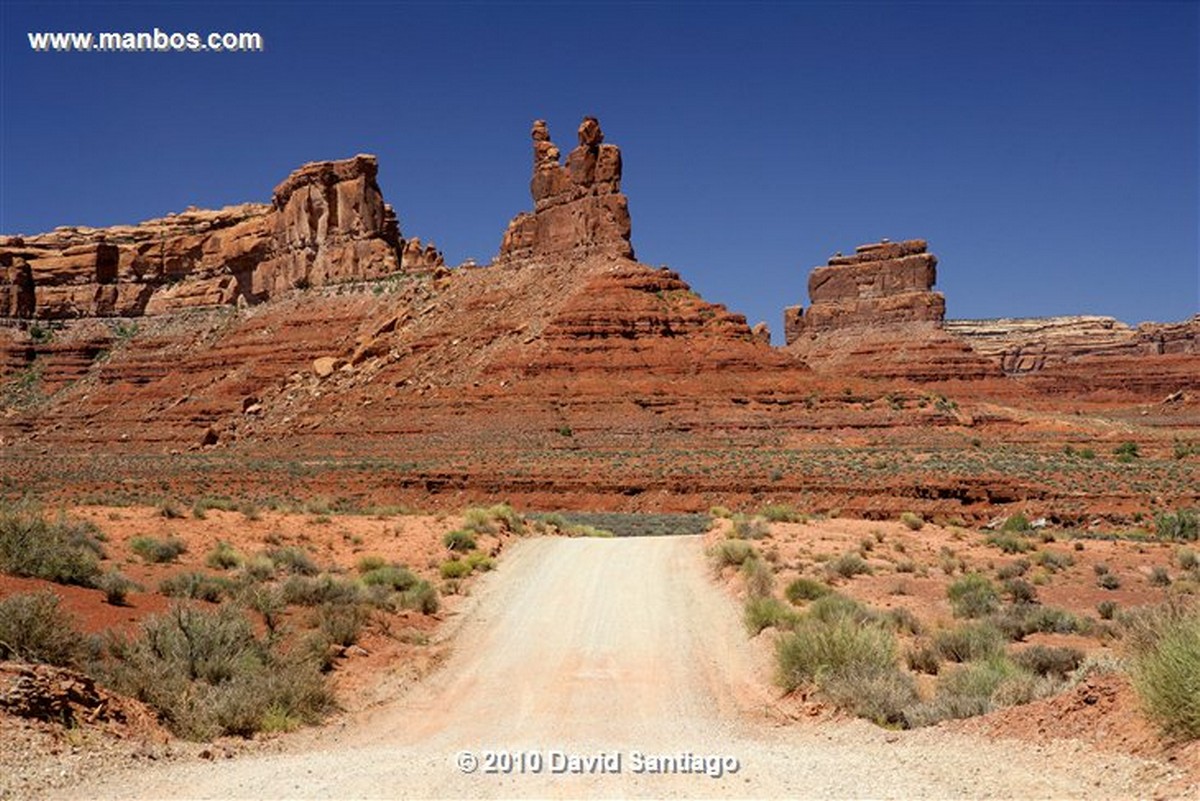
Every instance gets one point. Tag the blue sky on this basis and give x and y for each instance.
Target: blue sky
(1049, 152)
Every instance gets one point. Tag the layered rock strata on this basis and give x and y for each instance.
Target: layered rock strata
(327, 223)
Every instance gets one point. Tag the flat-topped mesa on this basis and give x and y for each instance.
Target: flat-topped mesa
(881, 284)
(327, 223)
(578, 209)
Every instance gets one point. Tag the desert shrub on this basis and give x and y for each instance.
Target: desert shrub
(902, 619)
(267, 601)
(156, 551)
(1106, 609)
(223, 557)
(913, 521)
(749, 528)
(259, 567)
(973, 595)
(1127, 452)
(294, 560)
(195, 585)
(116, 586)
(817, 651)
(1054, 561)
(806, 589)
(368, 563)
(1013, 570)
(1049, 660)
(34, 628)
(719, 511)
(1020, 591)
(758, 578)
(835, 606)
(1180, 526)
(318, 590)
(879, 694)
(504, 514)
(394, 577)
(780, 513)
(1159, 577)
(1166, 669)
(454, 569)
(1108, 581)
(968, 642)
(1187, 559)
(59, 551)
(923, 658)
(1010, 542)
(422, 597)
(478, 521)
(460, 540)
(1020, 620)
(1017, 522)
(342, 624)
(766, 611)
(964, 691)
(732, 553)
(848, 565)
(207, 674)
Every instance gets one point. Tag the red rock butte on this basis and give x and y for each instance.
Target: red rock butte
(310, 330)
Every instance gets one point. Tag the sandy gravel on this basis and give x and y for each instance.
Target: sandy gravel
(619, 647)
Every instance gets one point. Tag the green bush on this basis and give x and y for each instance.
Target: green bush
(913, 521)
(806, 589)
(835, 606)
(758, 578)
(60, 551)
(171, 510)
(207, 674)
(923, 658)
(116, 586)
(454, 569)
(1127, 452)
(1020, 591)
(158, 551)
(342, 624)
(422, 597)
(749, 528)
(817, 651)
(394, 577)
(972, 596)
(1106, 609)
(848, 565)
(322, 589)
(1010, 542)
(1054, 561)
(33, 628)
(1017, 522)
(291, 559)
(1166, 673)
(780, 513)
(1049, 660)
(1159, 577)
(764, 612)
(195, 585)
(881, 695)
(223, 557)
(1181, 526)
(1020, 620)
(729, 553)
(1108, 581)
(969, 642)
(460, 540)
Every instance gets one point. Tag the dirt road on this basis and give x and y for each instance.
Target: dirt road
(619, 650)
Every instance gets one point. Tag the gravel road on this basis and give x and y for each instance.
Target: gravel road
(621, 649)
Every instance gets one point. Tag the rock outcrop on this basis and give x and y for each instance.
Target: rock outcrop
(881, 284)
(418, 258)
(875, 314)
(327, 223)
(578, 209)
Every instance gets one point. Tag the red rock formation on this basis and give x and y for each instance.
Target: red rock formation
(327, 223)
(883, 283)
(875, 314)
(579, 210)
(418, 258)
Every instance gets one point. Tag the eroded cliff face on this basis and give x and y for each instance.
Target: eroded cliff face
(578, 209)
(875, 314)
(327, 223)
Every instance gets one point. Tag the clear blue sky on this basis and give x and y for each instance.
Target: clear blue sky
(1050, 152)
